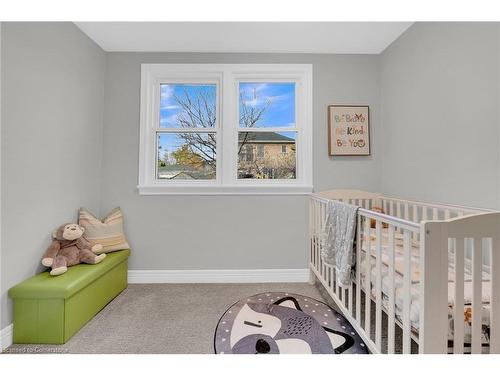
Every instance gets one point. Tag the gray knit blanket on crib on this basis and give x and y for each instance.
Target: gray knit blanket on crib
(337, 239)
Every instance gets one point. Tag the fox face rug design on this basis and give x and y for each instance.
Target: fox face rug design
(285, 323)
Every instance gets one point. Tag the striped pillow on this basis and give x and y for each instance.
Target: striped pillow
(108, 232)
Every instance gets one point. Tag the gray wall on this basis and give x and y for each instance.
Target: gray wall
(52, 108)
(440, 108)
(436, 88)
(224, 232)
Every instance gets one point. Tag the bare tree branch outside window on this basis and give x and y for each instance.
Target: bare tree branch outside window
(199, 150)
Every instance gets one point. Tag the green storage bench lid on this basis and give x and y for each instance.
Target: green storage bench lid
(45, 286)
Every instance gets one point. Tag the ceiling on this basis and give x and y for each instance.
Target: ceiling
(279, 37)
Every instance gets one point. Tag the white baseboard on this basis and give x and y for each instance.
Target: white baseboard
(218, 276)
(6, 337)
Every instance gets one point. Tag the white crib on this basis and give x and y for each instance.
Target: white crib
(423, 240)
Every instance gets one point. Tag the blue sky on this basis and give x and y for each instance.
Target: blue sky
(280, 113)
(170, 109)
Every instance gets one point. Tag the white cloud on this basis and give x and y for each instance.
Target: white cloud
(279, 97)
(166, 91)
(260, 86)
(255, 102)
(172, 119)
(170, 106)
(166, 97)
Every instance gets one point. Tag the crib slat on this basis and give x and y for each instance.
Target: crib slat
(316, 234)
(406, 293)
(398, 209)
(337, 286)
(477, 263)
(391, 208)
(311, 237)
(378, 287)
(318, 258)
(384, 205)
(495, 297)
(392, 315)
(424, 213)
(322, 208)
(358, 271)
(414, 235)
(458, 313)
(407, 212)
(332, 278)
(323, 269)
(320, 227)
(320, 263)
(314, 231)
(368, 277)
(349, 295)
(446, 214)
(435, 215)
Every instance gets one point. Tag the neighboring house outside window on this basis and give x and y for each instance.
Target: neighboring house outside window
(190, 143)
(275, 164)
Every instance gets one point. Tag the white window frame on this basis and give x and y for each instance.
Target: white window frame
(227, 78)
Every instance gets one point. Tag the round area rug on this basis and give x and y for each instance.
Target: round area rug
(284, 323)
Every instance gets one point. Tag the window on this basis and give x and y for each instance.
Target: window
(225, 129)
(187, 155)
(265, 106)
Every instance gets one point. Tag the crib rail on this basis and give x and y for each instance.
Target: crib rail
(422, 211)
(472, 245)
(362, 303)
(403, 258)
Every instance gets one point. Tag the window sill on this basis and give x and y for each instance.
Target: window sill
(225, 190)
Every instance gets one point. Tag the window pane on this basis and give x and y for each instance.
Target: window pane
(188, 105)
(267, 155)
(186, 156)
(266, 105)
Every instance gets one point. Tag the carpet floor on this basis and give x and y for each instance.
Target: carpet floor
(163, 318)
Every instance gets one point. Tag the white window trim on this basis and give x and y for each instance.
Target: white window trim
(227, 77)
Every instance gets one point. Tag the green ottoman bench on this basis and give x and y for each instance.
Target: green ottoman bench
(51, 309)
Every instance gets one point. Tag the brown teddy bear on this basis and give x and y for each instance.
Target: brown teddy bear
(373, 222)
(69, 248)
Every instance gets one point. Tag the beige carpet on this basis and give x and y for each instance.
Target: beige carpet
(162, 318)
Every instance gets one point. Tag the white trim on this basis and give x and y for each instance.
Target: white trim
(206, 189)
(218, 276)
(6, 337)
(227, 77)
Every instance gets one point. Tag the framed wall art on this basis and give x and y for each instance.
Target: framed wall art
(348, 130)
